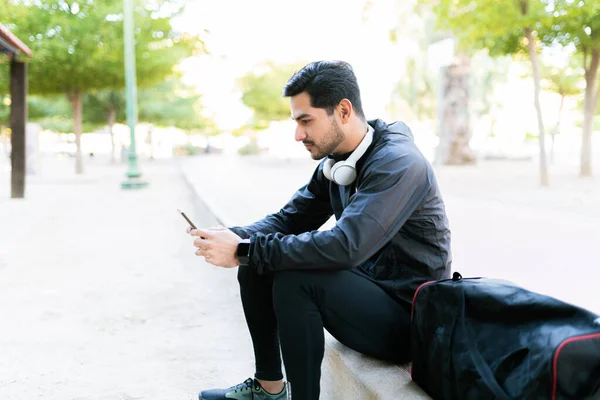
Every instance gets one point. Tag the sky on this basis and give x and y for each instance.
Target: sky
(243, 34)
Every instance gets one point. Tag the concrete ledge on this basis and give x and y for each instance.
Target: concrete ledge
(348, 375)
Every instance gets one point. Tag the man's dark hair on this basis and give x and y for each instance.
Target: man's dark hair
(327, 83)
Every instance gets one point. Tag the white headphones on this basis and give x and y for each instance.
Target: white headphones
(344, 172)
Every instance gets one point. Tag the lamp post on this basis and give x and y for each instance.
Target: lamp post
(133, 173)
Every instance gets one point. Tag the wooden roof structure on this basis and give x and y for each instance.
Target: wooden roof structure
(10, 44)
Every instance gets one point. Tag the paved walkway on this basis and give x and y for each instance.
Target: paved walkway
(503, 224)
(101, 296)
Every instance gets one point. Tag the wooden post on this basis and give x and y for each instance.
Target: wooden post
(18, 119)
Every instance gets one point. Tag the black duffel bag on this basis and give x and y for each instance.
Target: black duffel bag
(486, 339)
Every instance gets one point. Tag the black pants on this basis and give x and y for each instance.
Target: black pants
(294, 306)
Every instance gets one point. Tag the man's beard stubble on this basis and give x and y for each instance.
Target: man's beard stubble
(334, 137)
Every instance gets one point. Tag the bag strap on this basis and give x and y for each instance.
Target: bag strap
(480, 364)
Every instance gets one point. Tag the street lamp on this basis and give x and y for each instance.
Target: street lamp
(133, 173)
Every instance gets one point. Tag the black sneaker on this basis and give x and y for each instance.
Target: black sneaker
(250, 389)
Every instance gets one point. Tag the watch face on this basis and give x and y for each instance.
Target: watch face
(243, 253)
(243, 249)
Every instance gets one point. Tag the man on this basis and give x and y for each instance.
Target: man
(357, 279)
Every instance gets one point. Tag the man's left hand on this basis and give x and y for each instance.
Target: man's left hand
(217, 245)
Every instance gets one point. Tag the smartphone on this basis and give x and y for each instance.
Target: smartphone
(187, 219)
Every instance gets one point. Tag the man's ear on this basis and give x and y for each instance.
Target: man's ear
(345, 109)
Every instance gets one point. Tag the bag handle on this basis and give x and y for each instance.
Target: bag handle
(480, 364)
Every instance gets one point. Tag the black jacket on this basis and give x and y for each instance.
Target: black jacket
(391, 222)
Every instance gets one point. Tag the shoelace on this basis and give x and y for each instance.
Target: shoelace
(248, 384)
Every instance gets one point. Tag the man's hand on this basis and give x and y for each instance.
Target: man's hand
(217, 245)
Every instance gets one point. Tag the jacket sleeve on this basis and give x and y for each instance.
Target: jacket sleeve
(391, 189)
(307, 210)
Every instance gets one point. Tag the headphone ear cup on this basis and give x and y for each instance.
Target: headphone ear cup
(343, 173)
(327, 168)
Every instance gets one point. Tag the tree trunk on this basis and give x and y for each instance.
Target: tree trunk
(538, 109)
(455, 132)
(77, 108)
(589, 106)
(555, 131)
(111, 121)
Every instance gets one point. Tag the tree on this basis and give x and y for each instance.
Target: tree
(78, 47)
(105, 106)
(577, 24)
(415, 89)
(487, 72)
(52, 112)
(415, 32)
(171, 103)
(168, 103)
(262, 92)
(4, 109)
(565, 82)
(503, 28)
(4, 119)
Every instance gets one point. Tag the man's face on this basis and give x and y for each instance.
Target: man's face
(320, 133)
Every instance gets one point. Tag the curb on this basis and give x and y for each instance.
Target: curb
(210, 207)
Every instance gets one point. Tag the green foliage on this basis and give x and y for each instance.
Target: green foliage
(486, 73)
(575, 23)
(39, 107)
(531, 137)
(565, 81)
(251, 148)
(98, 104)
(4, 76)
(170, 103)
(167, 103)
(51, 112)
(242, 130)
(187, 150)
(4, 110)
(262, 92)
(597, 110)
(596, 123)
(416, 91)
(57, 124)
(497, 26)
(79, 45)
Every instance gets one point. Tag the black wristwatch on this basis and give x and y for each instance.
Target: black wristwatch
(243, 252)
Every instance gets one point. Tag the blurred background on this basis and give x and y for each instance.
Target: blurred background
(210, 74)
(502, 97)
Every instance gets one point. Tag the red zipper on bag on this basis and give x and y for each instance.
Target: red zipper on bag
(555, 361)
(412, 307)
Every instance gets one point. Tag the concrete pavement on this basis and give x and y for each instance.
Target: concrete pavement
(101, 296)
